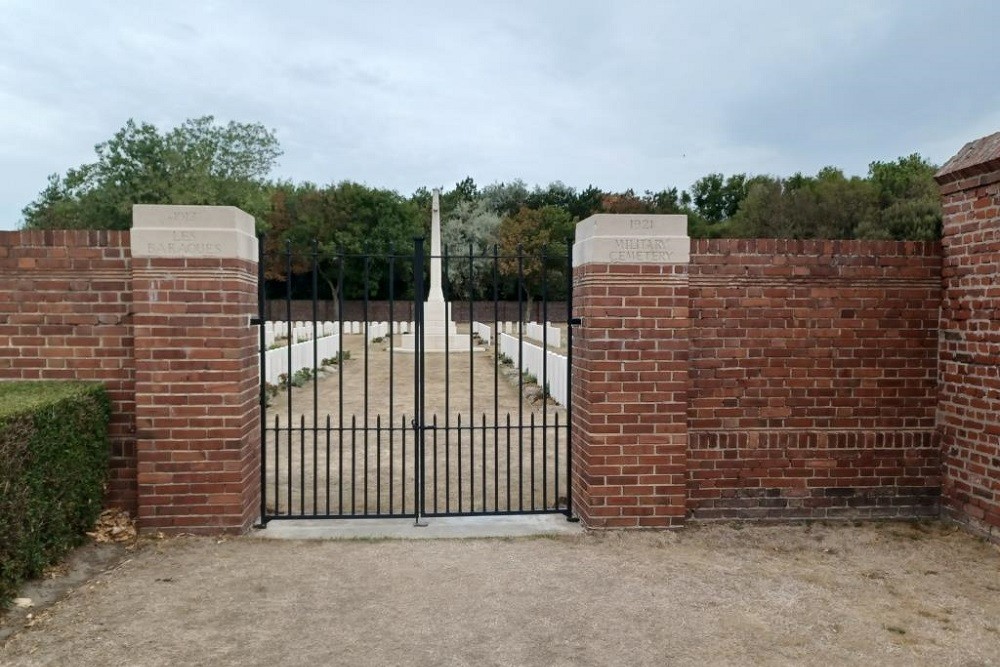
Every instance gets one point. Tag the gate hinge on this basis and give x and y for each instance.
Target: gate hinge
(256, 321)
(576, 321)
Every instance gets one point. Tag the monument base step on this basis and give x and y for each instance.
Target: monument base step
(436, 343)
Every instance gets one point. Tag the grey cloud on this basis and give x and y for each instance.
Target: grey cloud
(401, 94)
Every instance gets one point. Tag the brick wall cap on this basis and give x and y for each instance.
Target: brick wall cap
(976, 157)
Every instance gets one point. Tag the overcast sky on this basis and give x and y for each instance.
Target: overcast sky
(617, 94)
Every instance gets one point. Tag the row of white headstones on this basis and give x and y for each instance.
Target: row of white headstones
(547, 367)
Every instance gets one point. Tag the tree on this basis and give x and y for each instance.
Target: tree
(762, 213)
(624, 202)
(717, 198)
(533, 247)
(556, 194)
(471, 227)
(505, 198)
(464, 191)
(909, 204)
(588, 202)
(198, 162)
(828, 205)
(358, 232)
(665, 201)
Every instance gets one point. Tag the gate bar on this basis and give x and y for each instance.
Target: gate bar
(569, 384)
(418, 379)
(262, 342)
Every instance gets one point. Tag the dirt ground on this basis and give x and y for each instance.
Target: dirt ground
(496, 445)
(872, 594)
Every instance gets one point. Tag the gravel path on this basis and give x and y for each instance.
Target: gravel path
(885, 594)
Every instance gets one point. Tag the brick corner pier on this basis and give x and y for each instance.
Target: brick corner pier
(630, 383)
(194, 280)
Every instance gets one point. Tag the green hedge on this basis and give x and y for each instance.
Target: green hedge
(53, 467)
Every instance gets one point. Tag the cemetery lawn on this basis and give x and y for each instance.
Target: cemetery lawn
(807, 594)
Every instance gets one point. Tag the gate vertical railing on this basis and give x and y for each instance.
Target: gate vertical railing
(328, 450)
(571, 323)
(262, 363)
(419, 428)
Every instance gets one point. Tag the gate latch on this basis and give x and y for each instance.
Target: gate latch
(426, 427)
(576, 321)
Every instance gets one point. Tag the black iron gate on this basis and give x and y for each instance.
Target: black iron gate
(414, 408)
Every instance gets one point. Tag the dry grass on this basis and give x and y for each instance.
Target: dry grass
(873, 594)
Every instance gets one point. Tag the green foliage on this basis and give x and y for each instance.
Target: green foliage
(909, 204)
(471, 227)
(898, 200)
(53, 465)
(828, 205)
(203, 162)
(198, 162)
(301, 377)
(717, 198)
(343, 355)
(270, 392)
(533, 247)
(505, 199)
(347, 221)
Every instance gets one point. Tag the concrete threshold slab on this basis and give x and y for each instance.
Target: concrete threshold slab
(459, 527)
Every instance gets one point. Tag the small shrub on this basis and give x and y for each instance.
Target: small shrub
(301, 377)
(341, 356)
(270, 392)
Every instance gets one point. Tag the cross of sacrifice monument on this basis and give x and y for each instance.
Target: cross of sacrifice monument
(440, 331)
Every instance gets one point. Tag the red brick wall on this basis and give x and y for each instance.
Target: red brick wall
(969, 401)
(813, 379)
(171, 340)
(630, 395)
(66, 313)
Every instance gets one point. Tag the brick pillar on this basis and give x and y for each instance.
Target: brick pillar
(630, 382)
(968, 416)
(194, 271)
